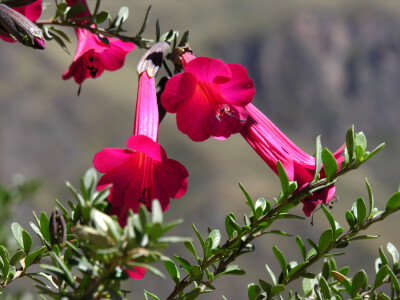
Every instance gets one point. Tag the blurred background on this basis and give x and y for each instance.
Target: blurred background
(318, 68)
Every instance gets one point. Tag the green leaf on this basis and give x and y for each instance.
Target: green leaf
(17, 232)
(373, 153)
(360, 140)
(393, 203)
(326, 269)
(308, 285)
(215, 236)
(189, 245)
(102, 16)
(150, 294)
(4, 261)
(318, 159)
(350, 143)
(394, 280)
(363, 237)
(27, 241)
(44, 226)
(248, 199)
(253, 290)
(382, 296)
(260, 207)
(380, 275)
(329, 163)
(18, 255)
(394, 253)
(196, 273)
(361, 211)
(276, 289)
(382, 256)
(312, 244)
(67, 272)
(203, 246)
(145, 21)
(271, 274)
(324, 288)
(330, 218)
(282, 261)
(172, 270)
(283, 177)
(350, 219)
(359, 281)
(370, 197)
(232, 228)
(325, 240)
(76, 9)
(183, 262)
(231, 270)
(265, 285)
(301, 246)
(184, 39)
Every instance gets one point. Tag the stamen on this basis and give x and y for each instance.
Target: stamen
(229, 112)
(92, 69)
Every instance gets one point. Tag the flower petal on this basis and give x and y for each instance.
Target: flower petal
(109, 158)
(146, 145)
(209, 70)
(172, 177)
(239, 90)
(179, 88)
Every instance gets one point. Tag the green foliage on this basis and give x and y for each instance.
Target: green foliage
(84, 251)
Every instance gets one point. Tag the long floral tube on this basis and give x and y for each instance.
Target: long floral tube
(273, 146)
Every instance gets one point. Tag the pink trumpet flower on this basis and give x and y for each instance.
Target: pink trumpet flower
(209, 97)
(92, 56)
(143, 172)
(273, 146)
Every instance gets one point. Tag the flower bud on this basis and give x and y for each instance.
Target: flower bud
(151, 61)
(18, 27)
(16, 3)
(57, 228)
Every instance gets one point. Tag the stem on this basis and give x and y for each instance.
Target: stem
(137, 40)
(294, 198)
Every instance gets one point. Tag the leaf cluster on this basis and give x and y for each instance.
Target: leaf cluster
(84, 252)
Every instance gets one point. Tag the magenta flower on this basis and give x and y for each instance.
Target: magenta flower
(208, 98)
(92, 56)
(23, 27)
(143, 172)
(273, 146)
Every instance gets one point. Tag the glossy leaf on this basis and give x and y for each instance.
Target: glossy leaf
(27, 241)
(359, 281)
(172, 270)
(253, 290)
(248, 199)
(301, 246)
(17, 232)
(350, 219)
(324, 288)
(329, 163)
(283, 177)
(183, 262)
(325, 240)
(394, 253)
(393, 203)
(318, 159)
(281, 260)
(370, 198)
(361, 211)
